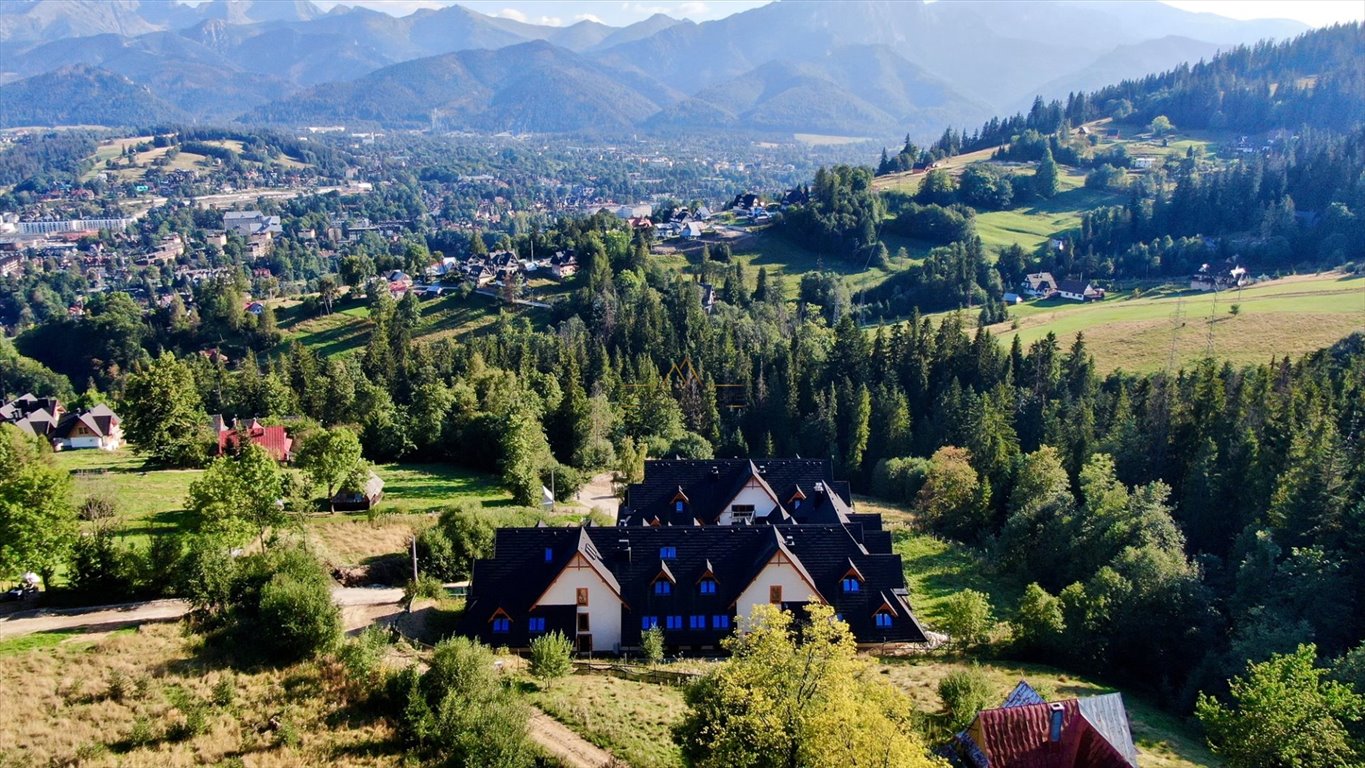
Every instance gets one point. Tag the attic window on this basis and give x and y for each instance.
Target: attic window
(502, 626)
(663, 587)
(549, 554)
(679, 505)
(668, 553)
(707, 586)
(883, 619)
(852, 584)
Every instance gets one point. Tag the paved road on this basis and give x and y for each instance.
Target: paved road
(107, 617)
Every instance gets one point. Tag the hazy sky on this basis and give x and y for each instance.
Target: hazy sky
(622, 12)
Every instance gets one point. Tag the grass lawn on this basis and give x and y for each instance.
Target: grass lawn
(631, 720)
(1032, 225)
(784, 257)
(150, 502)
(936, 570)
(348, 328)
(106, 700)
(412, 488)
(1163, 740)
(1290, 316)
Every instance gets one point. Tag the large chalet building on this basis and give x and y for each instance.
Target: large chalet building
(48, 418)
(697, 545)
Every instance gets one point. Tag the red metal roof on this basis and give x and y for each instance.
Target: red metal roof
(1020, 737)
(275, 440)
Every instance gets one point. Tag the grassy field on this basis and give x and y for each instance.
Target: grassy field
(1033, 225)
(142, 161)
(149, 502)
(1290, 316)
(632, 720)
(107, 699)
(152, 502)
(348, 328)
(936, 570)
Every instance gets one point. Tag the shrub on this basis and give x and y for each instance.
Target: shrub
(224, 691)
(460, 710)
(362, 657)
(298, 619)
(551, 656)
(275, 606)
(652, 644)
(101, 568)
(97, 508)
(967, 617)
(1039, 620)
(142, 733)
(426, 587)
(461, 536)
(964, 693)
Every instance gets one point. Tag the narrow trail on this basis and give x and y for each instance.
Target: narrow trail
(566, 746)
(357, 605)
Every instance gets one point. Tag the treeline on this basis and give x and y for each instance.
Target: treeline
(38, 161)
(1314, 79)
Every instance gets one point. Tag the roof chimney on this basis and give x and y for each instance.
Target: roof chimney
(1057, 713)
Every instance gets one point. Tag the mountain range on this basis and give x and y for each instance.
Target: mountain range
(855, 68)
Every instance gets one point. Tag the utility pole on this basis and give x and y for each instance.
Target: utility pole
(414, 558)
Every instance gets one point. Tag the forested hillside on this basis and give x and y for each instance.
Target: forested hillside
(1270, 199)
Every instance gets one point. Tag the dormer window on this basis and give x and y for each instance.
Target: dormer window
(663, 587)
(680, 500)
(707, 586)
(883, 619)
(853, 579)
(679, 505)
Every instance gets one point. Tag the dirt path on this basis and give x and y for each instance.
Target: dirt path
(357, 606)
(598, 493)
(570, 748)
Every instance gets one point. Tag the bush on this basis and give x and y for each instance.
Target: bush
(101, 568)
(964, 693)
(362, 657)
(274, 607)
(426, 587)
(448, 549)
(1039, 620)
(297, 618)
(652, 644)
(967, 617)
(460, 711)
(551, 656)
(97, 508)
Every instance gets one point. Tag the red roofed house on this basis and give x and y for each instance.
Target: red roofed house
(275, 440)
(1029, 732)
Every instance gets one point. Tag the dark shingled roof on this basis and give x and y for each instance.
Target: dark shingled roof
(519, 573)
(805, 491)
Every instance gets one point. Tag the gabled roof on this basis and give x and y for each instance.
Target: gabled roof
(1093, 733)
(1023, 695)
(517, 574)
(710, 485)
